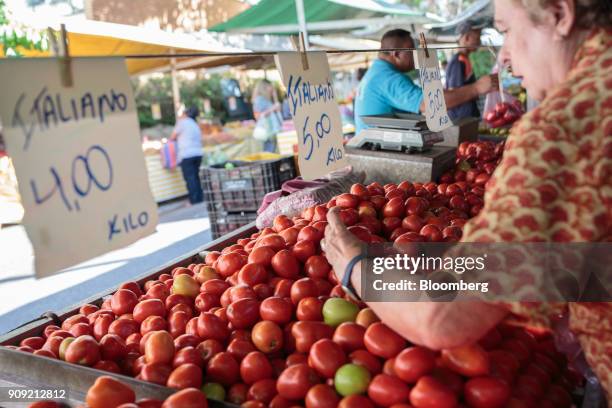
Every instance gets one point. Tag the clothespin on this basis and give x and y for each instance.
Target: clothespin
(423, 43)
(300, 46)
(62, 52)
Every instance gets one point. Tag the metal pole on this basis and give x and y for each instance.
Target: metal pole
(176, 95)
(301, 16)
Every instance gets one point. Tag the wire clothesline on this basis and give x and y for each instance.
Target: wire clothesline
(272, 53)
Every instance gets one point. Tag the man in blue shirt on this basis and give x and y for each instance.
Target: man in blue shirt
(459, 70)
(386, 88)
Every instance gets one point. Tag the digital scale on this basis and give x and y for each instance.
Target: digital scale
(400, 132)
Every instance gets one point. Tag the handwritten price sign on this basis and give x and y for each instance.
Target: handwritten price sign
(433, 92)
(315, 113)
(78, 158)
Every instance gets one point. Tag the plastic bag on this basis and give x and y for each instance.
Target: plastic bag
(501, 112)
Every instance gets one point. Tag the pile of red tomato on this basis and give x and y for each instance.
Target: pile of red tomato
(504, 114)
(264, 322)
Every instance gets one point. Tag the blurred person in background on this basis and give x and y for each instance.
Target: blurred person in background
(188, 135)
(554, 183)
(386, 88)
(267, 112)
(459, 69)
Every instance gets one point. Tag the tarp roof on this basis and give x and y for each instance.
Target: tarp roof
(95, 38)
(280, 16)
(481, 12)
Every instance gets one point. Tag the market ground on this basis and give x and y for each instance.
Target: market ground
(23, 298)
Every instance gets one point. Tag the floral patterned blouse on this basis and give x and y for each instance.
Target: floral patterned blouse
(555, 184)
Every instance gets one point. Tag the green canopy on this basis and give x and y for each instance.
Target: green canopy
(280, 16)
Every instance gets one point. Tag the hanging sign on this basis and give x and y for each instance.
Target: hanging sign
(433, 92)
(314, 110)
(78, 158)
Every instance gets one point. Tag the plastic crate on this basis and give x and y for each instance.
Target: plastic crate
(243, 187)
(222, 223)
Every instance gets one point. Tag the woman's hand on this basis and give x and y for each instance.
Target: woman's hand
(339, 244)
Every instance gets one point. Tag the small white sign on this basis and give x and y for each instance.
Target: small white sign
(156, 111)
(433, 91)
(78, 158)
(315, 113)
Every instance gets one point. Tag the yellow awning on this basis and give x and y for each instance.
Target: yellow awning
(96, 38)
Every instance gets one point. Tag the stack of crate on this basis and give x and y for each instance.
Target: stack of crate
(233, 195)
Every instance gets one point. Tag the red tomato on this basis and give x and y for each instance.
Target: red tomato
(285, 264)
(356, 401)
(160, 291)
(281, 222)
(413, 363)
(187, 355)
(267, 336)
(177, 323)
(366, 359)
(206, 301)
(416, 205)
(230, 263)
(324, 286)
(471, 360)
(430, 393)
(310, 309)
(283, 288)
(381, 341)
(307, 333)
(263, 391)
(290, 235)
(209, 348)
(326, 357)
(386, 390)
(212, 327)
(348, 216)
(109, 366)
(153, 323)
(302, 250)
(101, 326)
(295, 381)
(176, 299)
(432, 233)
(274, 241)
(362, 233)
(84, 350)
(88, 309)
(276, 309)
(44, 353)
(394, 207)
(149, 403)
(322, 396)
(150, 307)
(243, 313)
(187, 398)
(349, 336)
(237, 393)
(317, 266)
(262, 255)
(186, 340)
(486, 392)
(413, 223)
(347, 200)
(214, 287)
(112, 347)
(303, 288)
(159, 348)
(254, 367)
(224, 369)
(239, 348)
(72, 320)
(108, 392)
(296, 358)
(80, 329)
(50, 329)
(123, 327)
(123, 301)
(185, 376)
(252, 273)
(310, 233)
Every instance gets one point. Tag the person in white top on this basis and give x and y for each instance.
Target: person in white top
(188, 135)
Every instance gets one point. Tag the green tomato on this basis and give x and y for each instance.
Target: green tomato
(214, 391)
(338, 310)
(464, 165)
(352, 379)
